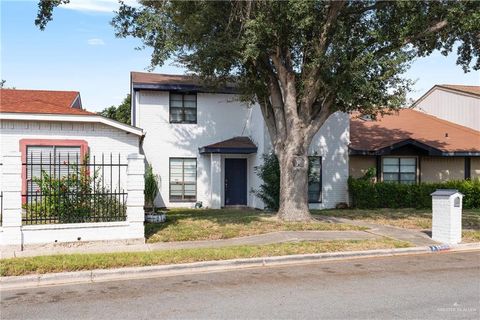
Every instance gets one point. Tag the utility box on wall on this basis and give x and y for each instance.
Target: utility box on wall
(447, 216)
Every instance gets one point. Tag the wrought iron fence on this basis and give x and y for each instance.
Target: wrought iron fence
(1, 197)
(62, 187)
(1, 208)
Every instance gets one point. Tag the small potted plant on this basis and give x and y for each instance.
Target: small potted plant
(151, 192)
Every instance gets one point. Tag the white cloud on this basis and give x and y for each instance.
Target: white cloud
(96, 42)
(107, 6)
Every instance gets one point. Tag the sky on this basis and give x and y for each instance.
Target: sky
(79, 51)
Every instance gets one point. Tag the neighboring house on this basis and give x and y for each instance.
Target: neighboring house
(52, 125)
(454, 103)
(411, 146)
(204, 143)
(75, 169)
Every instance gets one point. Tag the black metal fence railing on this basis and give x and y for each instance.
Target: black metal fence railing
(1, 204)
(65, 188)
(1, 208)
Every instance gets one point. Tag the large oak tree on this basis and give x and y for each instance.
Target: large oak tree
(301, 61)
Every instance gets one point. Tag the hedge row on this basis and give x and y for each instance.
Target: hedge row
(368, 195)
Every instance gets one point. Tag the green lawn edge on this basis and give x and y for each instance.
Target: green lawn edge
(78, 262)
(214, 224)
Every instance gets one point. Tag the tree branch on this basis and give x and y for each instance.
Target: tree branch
(323, 111)
(288, 91)
(311, 76)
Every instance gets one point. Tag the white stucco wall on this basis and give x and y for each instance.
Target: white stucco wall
(331, 143)
(452, 106)
(221, 117)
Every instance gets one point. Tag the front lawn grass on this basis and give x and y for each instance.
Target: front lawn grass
(404, 218)
(471, 236)
(76, 262)
(208, 224)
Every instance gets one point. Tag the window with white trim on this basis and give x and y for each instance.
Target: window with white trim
(400, 169)
(183, 107)
(183, 179)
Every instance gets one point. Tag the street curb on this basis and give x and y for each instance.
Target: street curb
(100, 275)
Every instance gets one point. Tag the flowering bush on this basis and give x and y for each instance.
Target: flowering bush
(73, 198)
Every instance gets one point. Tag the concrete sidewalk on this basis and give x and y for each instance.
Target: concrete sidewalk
(261, 239)
(416, 237)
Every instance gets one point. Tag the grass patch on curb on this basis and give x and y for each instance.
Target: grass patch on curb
(208, 224)
(471, 236)
(77, 262)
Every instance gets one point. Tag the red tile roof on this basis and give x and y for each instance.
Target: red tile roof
(368, 135)
(466, 89)
(40, 101)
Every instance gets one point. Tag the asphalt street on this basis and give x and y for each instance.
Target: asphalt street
(431, 286)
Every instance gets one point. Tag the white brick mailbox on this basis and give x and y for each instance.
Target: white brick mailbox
(447, 216)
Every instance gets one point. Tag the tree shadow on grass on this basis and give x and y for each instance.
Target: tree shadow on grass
(220, 217)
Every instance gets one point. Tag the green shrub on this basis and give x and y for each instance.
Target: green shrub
(269, 191)
(151, 187)
(366, 194)
(74, 198)
(269, 172)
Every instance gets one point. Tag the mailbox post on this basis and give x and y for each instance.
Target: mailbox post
(447, 216)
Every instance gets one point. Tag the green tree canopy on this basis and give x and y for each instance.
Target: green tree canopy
(301, 61)
(120, 113)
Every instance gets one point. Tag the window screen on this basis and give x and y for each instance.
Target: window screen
(315, 180)
(183, 108)
(56, 161)
(400, 169)
(183, 179)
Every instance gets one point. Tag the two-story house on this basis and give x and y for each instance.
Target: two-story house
(205, 144)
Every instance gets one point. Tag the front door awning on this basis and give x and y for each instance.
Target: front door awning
(236, 145)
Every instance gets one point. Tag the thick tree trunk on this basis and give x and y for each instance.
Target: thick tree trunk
(293, 160)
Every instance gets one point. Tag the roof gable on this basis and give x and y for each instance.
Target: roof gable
(472, 91)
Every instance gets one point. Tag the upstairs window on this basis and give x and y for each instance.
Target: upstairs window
(183, 107)
(400, 169)
(315, 180)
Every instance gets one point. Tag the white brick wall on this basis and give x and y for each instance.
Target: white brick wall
(447, 219)
(101, 139)
(221, 117)
(12, 233)
(331, 143)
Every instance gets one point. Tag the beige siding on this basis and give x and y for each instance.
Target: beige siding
(475, 167)
(437, 169)
(452, 106)
(360, 164)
